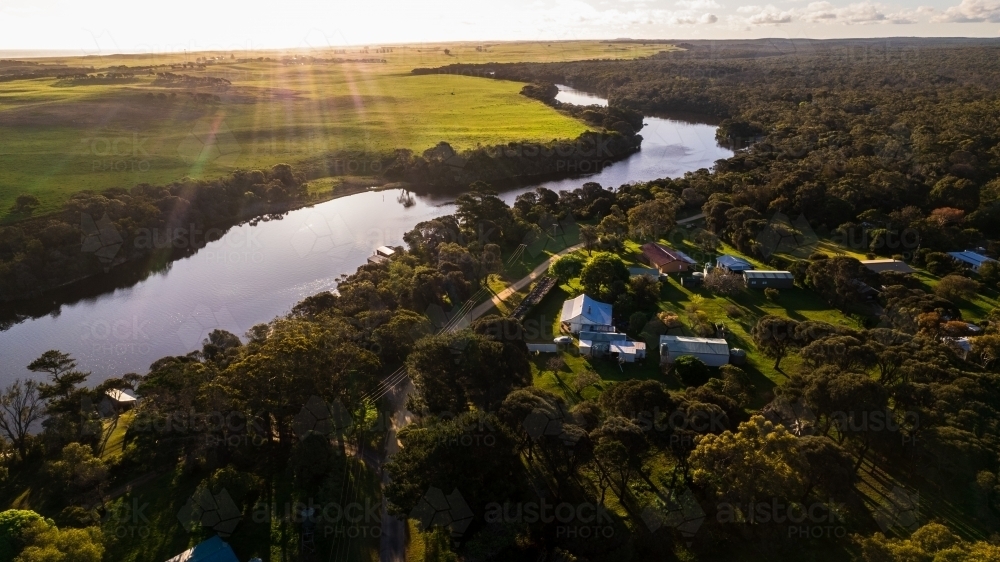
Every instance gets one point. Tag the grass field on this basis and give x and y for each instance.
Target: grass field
(57, 138)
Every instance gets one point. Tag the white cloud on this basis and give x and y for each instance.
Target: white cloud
(860, 13)
(697, 4)
(769, 15)
(971, 11)
(748, 9)
(708, 18)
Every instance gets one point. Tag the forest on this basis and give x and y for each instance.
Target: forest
(869, 141)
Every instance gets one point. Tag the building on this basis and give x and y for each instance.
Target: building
(584, 314)
(733, 264)
(971, 259)
(766, 279)
(640, 271)
(713, 352)
(212, 550)
(116, 401)
(382, 253)
(666, 260)
(611, 344)
(878, 266)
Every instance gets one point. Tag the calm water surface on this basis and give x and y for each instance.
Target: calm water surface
(256, 273)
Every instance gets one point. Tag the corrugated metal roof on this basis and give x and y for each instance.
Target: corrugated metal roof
(768, 274)
(733, 262)
(970, 257)
(692, 345)
(602, 336)
(591, 311)
(658, 254)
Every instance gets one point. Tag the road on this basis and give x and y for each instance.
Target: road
(392, 547)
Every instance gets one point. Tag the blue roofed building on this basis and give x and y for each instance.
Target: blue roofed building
(733, 264)
(213, 550)
(971, 259)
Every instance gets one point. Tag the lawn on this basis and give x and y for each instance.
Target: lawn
(797, 304)
(56, 139)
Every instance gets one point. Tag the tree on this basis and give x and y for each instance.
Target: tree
(956, 287)
(989, 272)
(760, 460)
(48, 543)
(20, 407)
(585, 379)
(839, 279)
(566, 267)
(604, 276)
(728, 284)
(13, 523)
(589, 236)
(691, 370)
(77, 469)
(774, 336)
(652, 219)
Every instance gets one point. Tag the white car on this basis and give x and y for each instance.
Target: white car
(563, 339)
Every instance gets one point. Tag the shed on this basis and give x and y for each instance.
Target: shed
(212, 550)
(640, 271)
(384, 251)
(115, 401)
(585, 314)
(765, 279)
(542, 347)
(598, 344)
(733, 264)
(878, 266)
(713, 352)
(972, 259)
(665, 259)
(628, 351)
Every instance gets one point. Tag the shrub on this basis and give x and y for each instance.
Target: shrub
(956, 287)
(729, 284)
(669, 319)
(636, 323)
(733, 311)
(771, 293)
(815, 256)
(691, 370)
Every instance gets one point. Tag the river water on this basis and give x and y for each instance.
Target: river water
(256, 273)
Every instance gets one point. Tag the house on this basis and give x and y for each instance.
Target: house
(765, 279)
(733, 264)
(603, 344)
(878, 266)
(666, 260)
(971, 259)
(116, 401)
(713, 352)
(212, 550)
(585, 314)
(382, 253)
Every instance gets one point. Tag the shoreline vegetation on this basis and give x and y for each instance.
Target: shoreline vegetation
(159, 224)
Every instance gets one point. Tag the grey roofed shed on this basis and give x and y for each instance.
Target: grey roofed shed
(765, 279)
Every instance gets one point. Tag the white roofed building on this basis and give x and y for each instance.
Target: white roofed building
(713, 352)
(585, 314)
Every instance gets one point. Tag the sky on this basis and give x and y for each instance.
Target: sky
(149, 27)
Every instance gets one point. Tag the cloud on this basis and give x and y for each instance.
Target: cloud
(860, 13)
(769, 15)
(971, 11)
(708, 18)
(748, 9)
(697, 4)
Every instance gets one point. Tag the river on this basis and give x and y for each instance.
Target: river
(256, 273)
